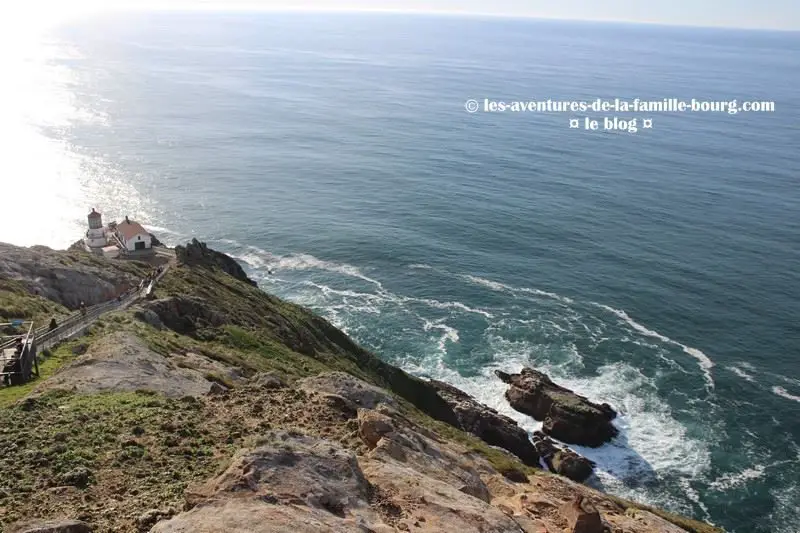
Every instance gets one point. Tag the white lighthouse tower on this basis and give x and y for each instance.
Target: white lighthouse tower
(95, 238)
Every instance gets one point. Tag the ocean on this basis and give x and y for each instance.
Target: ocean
(656, 270)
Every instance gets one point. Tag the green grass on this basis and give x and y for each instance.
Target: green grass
(59, 356)
(142, 446)
(164, 441)
(17, 302)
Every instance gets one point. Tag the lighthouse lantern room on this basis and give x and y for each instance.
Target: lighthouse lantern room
(95, 238)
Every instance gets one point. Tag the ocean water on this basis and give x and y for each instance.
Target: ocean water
(657, 271)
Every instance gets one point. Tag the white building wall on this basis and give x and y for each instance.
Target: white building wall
(130, 244)
(95, 238)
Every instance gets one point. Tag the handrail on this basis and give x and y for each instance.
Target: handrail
(69, 324)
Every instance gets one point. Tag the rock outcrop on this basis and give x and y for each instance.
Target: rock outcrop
(562, 461)
(354, 390)
(582, 517)
(487, 424)
(289, 482)
(306, 431)
(68, 278)
(183, 314)
(408, 480)
(197, 253)
(567, 416)
(122, 362)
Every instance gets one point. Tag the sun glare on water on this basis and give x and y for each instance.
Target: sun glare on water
(40, 178)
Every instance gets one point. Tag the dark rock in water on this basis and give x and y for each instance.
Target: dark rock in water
(487, 424)
(197, 253)
(562, 461)
(567, 416)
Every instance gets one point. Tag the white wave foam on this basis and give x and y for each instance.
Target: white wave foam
(252, 260)
(384, 297)
(445, 305)
(449, 334)
(785, 518)
(730, 481)
(502, 287)
(260, 258)
(420, 266)
(741, 373)
(783, 393)
(344, 292)
(307, 261)
(158, 229)
(705, 362)
(651, 442)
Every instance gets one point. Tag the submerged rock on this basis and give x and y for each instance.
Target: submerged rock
(567, 416)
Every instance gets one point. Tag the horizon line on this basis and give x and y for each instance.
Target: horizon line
(210, 8)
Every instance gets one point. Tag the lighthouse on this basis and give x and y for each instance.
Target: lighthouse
(95, 238)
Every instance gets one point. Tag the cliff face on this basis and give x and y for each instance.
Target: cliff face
(217, 407)
(67, 278)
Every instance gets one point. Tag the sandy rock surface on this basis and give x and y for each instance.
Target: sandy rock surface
(122, 362)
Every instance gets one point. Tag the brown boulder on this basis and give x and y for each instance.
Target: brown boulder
(562, 461)
(288, 467)
(487, 424)
(582, 517)
(567, 416)
(372, 426)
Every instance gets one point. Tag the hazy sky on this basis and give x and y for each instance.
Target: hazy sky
(780, 14)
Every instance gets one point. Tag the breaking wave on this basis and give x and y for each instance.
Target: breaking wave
(783, 393)
(658, 458)
(706, 364)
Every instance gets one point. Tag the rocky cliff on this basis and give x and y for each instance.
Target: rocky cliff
(216, 407)
(66, 278)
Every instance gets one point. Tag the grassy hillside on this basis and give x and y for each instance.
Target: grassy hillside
(111, 458)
